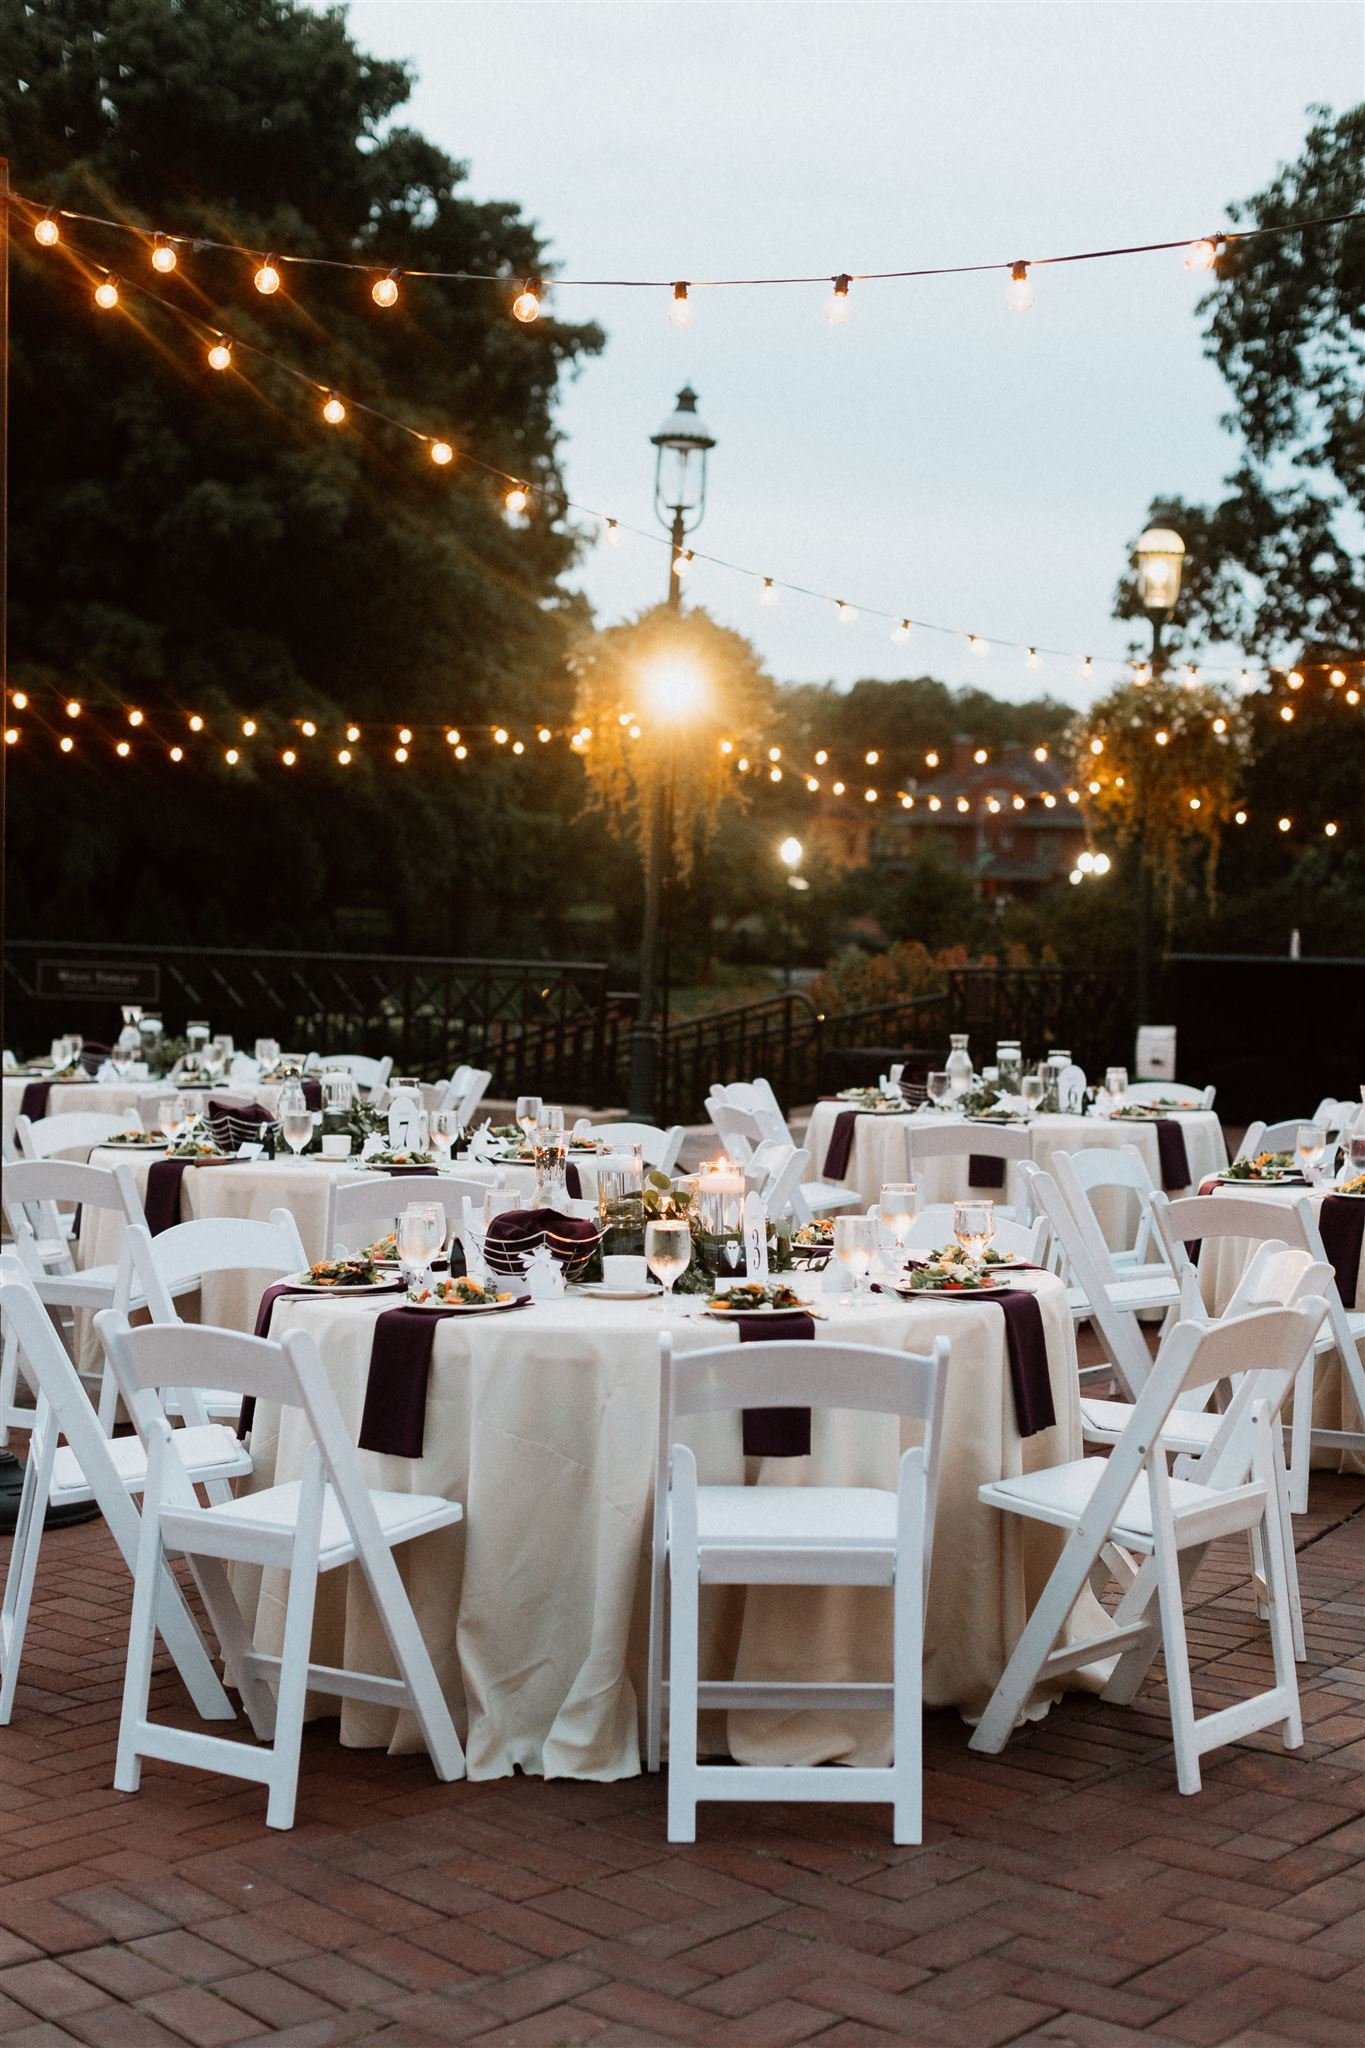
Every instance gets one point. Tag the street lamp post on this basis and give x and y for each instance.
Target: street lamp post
(1160, 559)
(681, 445)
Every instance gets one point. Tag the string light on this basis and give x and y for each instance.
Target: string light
(1040, 753)
(220, 356)
(526, 304)
(177, 753)
(1032, 659)
(1337, 678)
(1195, 804)
(774, 753)
(384, 290)
(871, 757)
(517, 498)
(837, 306)
(1088, 668)
(901, 633)
(980, 757)
(19, 699)
(768, 594)
(1162, 738)
(612, 534)
(249, 728)
(106, 294)
(963, 804)
(1285, 824)
(67, 743)
(46, 232)
(977, 644)
(267, 278)
(500, 736)
(847, 612)
(400, 754)
(73, 709)
(870, 796)
(1019, 290)
(1203, 254)
(405, 736)
(452, 737)
(774, 775)
(1239, 817)
(308, 729)
(196, 723)
(344, 757)
(634, 731)
(1287, 713)
(442, 453)
(232, 757)
(1353, 696)
(812, 785)
(333, 411)
(134, 718)
(1220, 725)
(289, 757)
(353, 733)
(1097, 746)
(936, 803)
(1330, 829)
(1294, 679)
(544, 735)
(680, 306)
(123, 750)
(518, 746)
(164, 258)
(682, 562)
(11, 735)
(931, 760)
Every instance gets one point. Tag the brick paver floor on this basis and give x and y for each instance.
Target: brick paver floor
(1065, 1892)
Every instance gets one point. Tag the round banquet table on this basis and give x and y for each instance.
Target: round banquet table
(543, 1422)
(880, 1153)
(1221, 1264)
(121, 1098)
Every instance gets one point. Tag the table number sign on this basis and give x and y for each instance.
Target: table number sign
(755, 1239)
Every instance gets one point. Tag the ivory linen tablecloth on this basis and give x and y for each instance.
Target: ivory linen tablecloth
(879, 1153)
(121, 1098)
(543, 1422)
(1222, 1261)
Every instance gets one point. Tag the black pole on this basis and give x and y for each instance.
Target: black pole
(674, 579)
(1144, 875)
(657, 829)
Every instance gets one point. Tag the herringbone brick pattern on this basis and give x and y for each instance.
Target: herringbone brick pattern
(1065, 1892)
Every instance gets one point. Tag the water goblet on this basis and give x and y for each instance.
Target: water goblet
(173, 1112)
(1355, 1152)
(295, 1118)
(267, 1053)
(939, 1087)
(855, 1247)
(898, 1208)
(974, 1227)
(1116, 1085)
(1310, 1144)
(1031, 1090)
(668, 1250)
(443, 1130)
(528, 1114)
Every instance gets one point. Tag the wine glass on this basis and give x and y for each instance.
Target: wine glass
(668, 1249)
(1116, 1085)
(443, 1128)
(938, 1086)
(528, 1114)
(551, 1117)
(420, 1232)
(855, 1247)
(974, 1227)
(296, 1119)
(59, 1052)
(1355, 1151)
(267, 1053)
(1031, 1090)
(898, 1208)
(172, 1114)
(1310, 1144)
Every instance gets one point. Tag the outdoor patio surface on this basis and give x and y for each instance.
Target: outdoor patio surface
(1065, 1891)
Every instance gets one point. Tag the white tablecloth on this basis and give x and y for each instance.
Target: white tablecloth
(121, 1098)
(880, 1152)
(543, 1422)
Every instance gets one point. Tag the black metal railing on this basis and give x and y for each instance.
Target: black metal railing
(1090, 1011)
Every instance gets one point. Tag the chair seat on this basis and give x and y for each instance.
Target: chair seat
(92, 1287)
(1188, 1429)
(207, 1452)
(827, 1194)
(217, 1401)
(1061, 1493)
(274, 1512)
(804, 1517)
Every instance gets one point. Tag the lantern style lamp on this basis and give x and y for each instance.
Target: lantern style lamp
(682, 445)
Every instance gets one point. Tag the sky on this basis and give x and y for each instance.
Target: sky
(937, 454)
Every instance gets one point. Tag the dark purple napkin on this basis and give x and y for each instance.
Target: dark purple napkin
(161, 1201)
(985, 1171)
(395, 1412)
(1026, 1346)
(264, 1312)
(1175, 1162)
(93, 1057)
(1342, 1222)
(573, 1182)
(312, 1094)
(241, 1112)
(776, 1432)
(840, 1144)
(34, 1102)
(515, 1233)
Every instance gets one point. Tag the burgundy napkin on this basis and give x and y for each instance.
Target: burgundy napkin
(1175, 1162)
(1026, 1347)
(985, 1171)
(514, 1234)
(241, 1112)
(394, 1417)
(776, 1432)
(264, 1312)
(1342, 1222)
(312, 1094)
(573, 1182)
(34, 1102)
(840, 1144)
(161, 1201)
(92, 1057)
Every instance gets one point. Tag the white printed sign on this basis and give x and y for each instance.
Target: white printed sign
(755, 1239)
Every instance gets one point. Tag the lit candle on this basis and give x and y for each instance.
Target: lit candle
(720, 1188)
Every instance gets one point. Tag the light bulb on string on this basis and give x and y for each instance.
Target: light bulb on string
(134, 718)
(837, 307)
(344, 757)
(196, 723)
(164, 258)
(1330, 830)
(1019, 290)
(1239, 817)
(249, 728)
(106, 294)
(682, 563)
(1285, 824)
(680, 306)
(353, 733)
(333, 411)
(177, 753)
(1287, 713)
(847, 612)
(838, 788)
(1353, 696)
(768, 592)
(267, 278)
(1088, 668)
(220, 355)
(123, 750)
(1033, 659)
(544, 735)
(981, 757)
(461, 753)
(400, 754)
(526, 304)
(1203, 254)
(405, 736)
(46, 232)
(441, 453)
(11, 735)
(67, 743)
(73, 708)
(821, 758)
(901, 633)
(1040, 753)
(232, 757)
(977, 644)
(931, 759)
(517, 498)
(936, 803)
(611, 533)
(384, 290)
(1294, 679)
(1337, 678)
(308, 729)
(19, 699)
(289, 757)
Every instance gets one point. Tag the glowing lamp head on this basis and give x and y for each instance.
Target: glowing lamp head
(384, 290)
(682, 562)
(1040, 753)
(1019, 290)
(106, 294)
(1337, 678)
(134, 718)
(837, 306)
(289, 757)
(163, 256)
(400, 754)
(123, 750)
(1203, 254)
(67, 743)
(980, 757)
(977, 644)
(680, 306)
(73, 709)
(249, 728)
(19, 699)
(676, 689)
(517, 498)
(405, 736)
(353, 733)
(789, 853)
(1033, 659)
(177, 753)
(333, 411)
(442, 453)
(267, 278)
(1285, 824)
(308, 729)
(1160, 556)
(931, 759)
(196, 723)
(821, 758)
(220, 356)
(46, 232)
(526, 304)
(232, 757)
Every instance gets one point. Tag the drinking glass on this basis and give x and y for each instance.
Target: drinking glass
(338, 1091)
(420, 1235)
(296, 1119)
(528, 1113)
(898, 1208)
(197, 1032)
(172, 1114)
(1310, 1145)
(444, 1129)
(224, 1043)
(855, 1247)
(60, 1051)
(1116, 1084)
(149, 1024)
(1355, 1152)
(668, 1248)
(974, 1226)
(406, 1084)
(267, 1051)
(496, 1201)
(938, 1086)
(1031, 1090)
(551, 1117)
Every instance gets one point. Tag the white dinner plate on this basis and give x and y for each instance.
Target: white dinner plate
(134, 1145)
(600, 1291)
(471, 1308)
(955, 1293)
(340, 1293)
(804, 1308)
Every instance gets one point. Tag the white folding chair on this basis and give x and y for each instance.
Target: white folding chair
(325, 1519)
(791, 1535)
(361, 1210)
(73, 1133)
(367, 1073)
(1130, 1500)
(1181, 1093)
(1277, 1137)
(463, 1093)
(1122, 1171)
(933, 1228)
(1196, 1218)
(777, 1170)
(71, 1461)
(818, 1197)
(1096, 1290)
(930, 1140)
(659, 1148)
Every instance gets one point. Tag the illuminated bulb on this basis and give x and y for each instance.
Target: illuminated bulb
(774, 775)
(308, 729)
(1018, 803)
(19, 699)
(1094, 788)
(353, 733)
(526, 304)
(196, 723)
(1294, 679)
(47, 233)
(106, 294)
(1353, 696)
(1120, 782)
(1033, 659)
(220, 356)
(1202, 255)
(452, 737)
(977, 644)
(462, 753)
(73, 709)
(1161, 738)
(248, 728)
(1087, 668)
(1097, 746)
(963, 804)
(680, 307)
(742, 764)
(837, 306)
(1189, 675)
(1195, 804)
(67, 743)
(267, 278)
(517, 498)
(1244, 679)
(344, 757)
(1285, 824)
(1086, 863)
(1287, 713)
(400, 753)
(993, 803)
(774, 753)
(1040, 753)
(232, 757)
(682, 563)
(812, 785)
(872, 758)
(1220, 725)
(634, 732)
(901, 633)
(1019, 290)
(821, 758)
(768, 594)
(1142, 672)
(870, 796)
(1049, 802)
(333, 411)
(931, 760)
(1337, 678)
(980, 757)
(163, 256)
(11, 735)
(442, 453)
(1330, 830)
(1073, 796)
(384, 290)
(500, 736)
(1075, 876)
(123, 750)
(134, 718)
(936, 803)
(611, 534)
(625, 717)
(727, 746)
(177, 753)
(544, 735)
(847, 613)
(1239, 817)
(405, 737)
(518, 746)
(289, 757)
(838, 788)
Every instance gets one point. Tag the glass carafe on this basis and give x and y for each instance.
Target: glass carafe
(959, 1064)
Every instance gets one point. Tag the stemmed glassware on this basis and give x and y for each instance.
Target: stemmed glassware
(420, 1235)
(528, 1114)
(267, 1051)
(974, 1227)
(855, 1247)
(939, 1087)
(1355, 1151)
(173, 1112)
(1116, 1085)
(1310, 1144)
(898, 1208)
(1031, 1090)
(668, 1249)
(443, 1130)
(296, 1118)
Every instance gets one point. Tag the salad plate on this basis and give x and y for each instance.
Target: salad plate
(600, 1291)
(465, 1297)
(749, 1297)
(342, 1276)
(136, 1141)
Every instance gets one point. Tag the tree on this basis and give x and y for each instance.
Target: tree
(184, 541)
